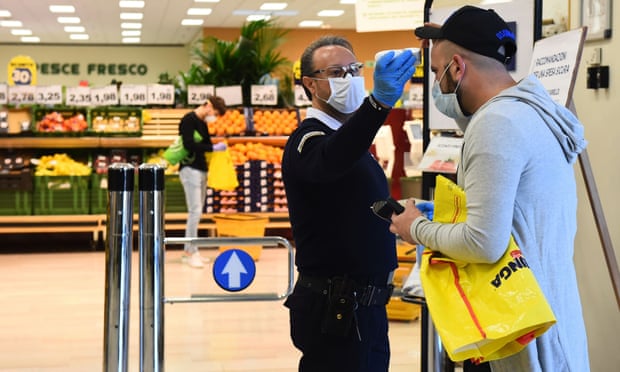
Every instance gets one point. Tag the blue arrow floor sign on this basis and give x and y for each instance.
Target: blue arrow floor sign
(234, 270)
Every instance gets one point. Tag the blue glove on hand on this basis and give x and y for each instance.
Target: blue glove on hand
(391, 75)
(220, 146)
(427, 208)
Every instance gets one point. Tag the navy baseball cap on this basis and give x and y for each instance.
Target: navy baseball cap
(480, 30)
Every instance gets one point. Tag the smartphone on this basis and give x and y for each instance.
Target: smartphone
(385, 208)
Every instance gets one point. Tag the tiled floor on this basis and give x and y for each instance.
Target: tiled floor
(52, 307)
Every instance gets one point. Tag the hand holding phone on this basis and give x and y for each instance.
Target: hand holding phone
(386, 208)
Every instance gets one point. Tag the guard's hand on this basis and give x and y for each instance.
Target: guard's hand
(390, 76)
(401, 223)
(220, 146)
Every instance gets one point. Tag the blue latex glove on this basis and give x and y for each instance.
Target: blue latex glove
(390, 76)
(220, 146)
(427, 208)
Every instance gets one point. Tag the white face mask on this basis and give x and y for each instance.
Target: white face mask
(347, 94)
(448, 103)
(210, 118)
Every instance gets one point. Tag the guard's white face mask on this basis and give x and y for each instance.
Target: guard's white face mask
(347, 94)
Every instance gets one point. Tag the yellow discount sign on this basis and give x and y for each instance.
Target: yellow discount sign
(22, 70)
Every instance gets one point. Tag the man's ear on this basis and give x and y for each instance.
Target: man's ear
(309, 84)
(459, 63)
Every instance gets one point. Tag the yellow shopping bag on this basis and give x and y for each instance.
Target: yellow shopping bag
(481, 311)
(222, 174)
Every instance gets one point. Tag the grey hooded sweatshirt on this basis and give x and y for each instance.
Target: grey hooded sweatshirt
(517, 170)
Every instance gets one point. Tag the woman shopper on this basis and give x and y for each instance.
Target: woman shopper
(193, 169)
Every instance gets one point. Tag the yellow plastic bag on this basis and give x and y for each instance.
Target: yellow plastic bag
(481, 311)
(222, 174)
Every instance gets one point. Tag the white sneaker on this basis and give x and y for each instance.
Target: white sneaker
(186, 257)
(195, 261)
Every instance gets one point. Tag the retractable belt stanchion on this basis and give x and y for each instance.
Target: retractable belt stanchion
(119, 244)
(151, 238)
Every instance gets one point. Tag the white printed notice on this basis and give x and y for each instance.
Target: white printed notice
(388, 15)
(554, 62)
(442, 155)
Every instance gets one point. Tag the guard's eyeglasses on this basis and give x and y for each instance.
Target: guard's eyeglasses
(341, 71)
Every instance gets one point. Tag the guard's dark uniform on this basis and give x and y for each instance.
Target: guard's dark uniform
(331, 179)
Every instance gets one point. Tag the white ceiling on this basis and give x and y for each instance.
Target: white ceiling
(162, 18)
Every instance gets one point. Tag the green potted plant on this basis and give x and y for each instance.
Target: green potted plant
(246, 61)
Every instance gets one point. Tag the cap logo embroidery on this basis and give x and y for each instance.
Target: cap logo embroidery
(505, 33)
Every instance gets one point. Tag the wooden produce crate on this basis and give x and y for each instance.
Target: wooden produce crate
(241, 225)
(162, 122)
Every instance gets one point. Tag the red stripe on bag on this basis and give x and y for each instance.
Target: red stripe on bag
(526, 338)
(457, 284)
(457, 209)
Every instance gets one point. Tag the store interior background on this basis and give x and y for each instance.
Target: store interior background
(596, 109)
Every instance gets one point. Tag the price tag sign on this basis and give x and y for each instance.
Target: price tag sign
(231, 94)
(264, 95)
(104, 96)
(49, 95)
(22, 94)
(300, 96)
(4, 94)
(197, 94)
(134, 95)
(160, 94)
(77, 96)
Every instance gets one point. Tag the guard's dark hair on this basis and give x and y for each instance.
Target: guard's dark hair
(306, 63)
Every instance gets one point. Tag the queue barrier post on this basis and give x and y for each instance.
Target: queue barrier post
(119, 245)
(151, 241)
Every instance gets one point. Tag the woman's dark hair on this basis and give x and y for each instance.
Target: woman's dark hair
(307, 66)
(218, 104)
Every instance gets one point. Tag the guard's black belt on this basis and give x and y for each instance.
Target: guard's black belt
(368, 295)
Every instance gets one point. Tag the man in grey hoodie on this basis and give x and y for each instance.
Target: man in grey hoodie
(517, 172)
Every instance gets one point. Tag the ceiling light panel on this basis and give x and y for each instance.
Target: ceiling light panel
(273, 6)
(206, 1)
(30, 39)
(11, 24)
(131, 25)
(131, 33)
(21, 32)
(199, 11)
(74, 29)
(131, 4)
(132, 16)
(62, 9)
(78, 37)
(69, 20)
(192, 22)
(131, 40)
(4, 13)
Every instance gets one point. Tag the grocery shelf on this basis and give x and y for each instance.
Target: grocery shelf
(119, 142)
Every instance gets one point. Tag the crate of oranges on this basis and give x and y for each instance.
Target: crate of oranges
(243, 152)
(232, 123)
(275, 122)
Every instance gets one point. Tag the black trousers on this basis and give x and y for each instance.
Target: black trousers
(368, 352)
